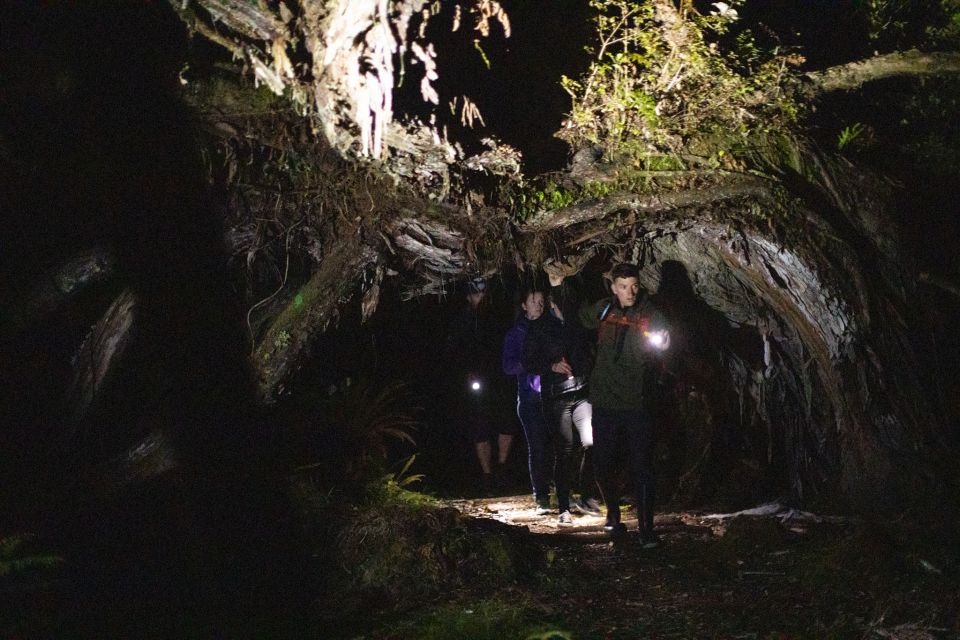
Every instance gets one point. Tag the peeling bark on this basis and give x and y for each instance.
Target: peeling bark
(100, 351)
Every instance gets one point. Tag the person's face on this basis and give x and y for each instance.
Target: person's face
(475, 299)
(533, 305)
(626, 290)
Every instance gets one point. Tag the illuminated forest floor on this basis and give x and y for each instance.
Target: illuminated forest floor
(775, 576)
(410, 567)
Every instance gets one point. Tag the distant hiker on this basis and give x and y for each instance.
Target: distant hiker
(529, 407)
(560, 351)
(473, 344)
(632, 335)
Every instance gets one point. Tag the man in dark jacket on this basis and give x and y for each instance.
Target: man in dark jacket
(473, 349)
(632, 335)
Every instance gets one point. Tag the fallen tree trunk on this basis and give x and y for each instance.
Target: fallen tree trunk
(804, 261)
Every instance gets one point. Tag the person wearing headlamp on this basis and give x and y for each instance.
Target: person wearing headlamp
(632, 337)
(478, 401)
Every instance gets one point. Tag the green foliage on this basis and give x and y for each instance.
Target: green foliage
(401, 479)
(492, 618)
(13, 559)
(483, 54)
(944, 32)
(887, 19)
(849, 134)
(394, 488)
(528, 200)
(902, 24)
(596, 189)
(657, 82)
(349, 433)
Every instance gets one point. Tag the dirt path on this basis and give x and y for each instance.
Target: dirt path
(520, 511)
(771, 574)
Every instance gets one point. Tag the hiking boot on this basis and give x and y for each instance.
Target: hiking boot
(613, 526)
(565, 519)
(649, 540)
(543, 507)
(588, 507)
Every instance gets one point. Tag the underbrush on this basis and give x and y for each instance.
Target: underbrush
(395, 549)
(509, 615)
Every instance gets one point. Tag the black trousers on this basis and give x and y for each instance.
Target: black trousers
(612, 430)
(530, 412)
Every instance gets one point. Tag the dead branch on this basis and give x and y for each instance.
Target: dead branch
(901, 63)
(195, 24)
(100, 351)
(244, 17)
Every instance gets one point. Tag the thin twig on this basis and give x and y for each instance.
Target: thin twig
(283, 283)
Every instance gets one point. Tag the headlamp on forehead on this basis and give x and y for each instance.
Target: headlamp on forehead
(477, 285)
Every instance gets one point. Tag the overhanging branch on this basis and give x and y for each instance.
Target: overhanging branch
(746, 186)
(902, 63)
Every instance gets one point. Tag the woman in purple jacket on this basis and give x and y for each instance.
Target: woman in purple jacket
(529, 407)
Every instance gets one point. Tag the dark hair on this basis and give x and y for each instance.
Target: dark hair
(525, 290)
(530, 288)
(625, 270)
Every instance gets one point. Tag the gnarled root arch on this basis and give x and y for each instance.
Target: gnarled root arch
(816, 283)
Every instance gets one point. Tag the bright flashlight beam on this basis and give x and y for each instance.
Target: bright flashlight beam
(656, 339)
(475, 386)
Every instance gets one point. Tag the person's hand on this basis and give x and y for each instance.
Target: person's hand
(556, 310)
(563, 367)
(557, 270)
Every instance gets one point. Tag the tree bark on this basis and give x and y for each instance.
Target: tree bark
(286, 343)
(853, 75)
(740, 187)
